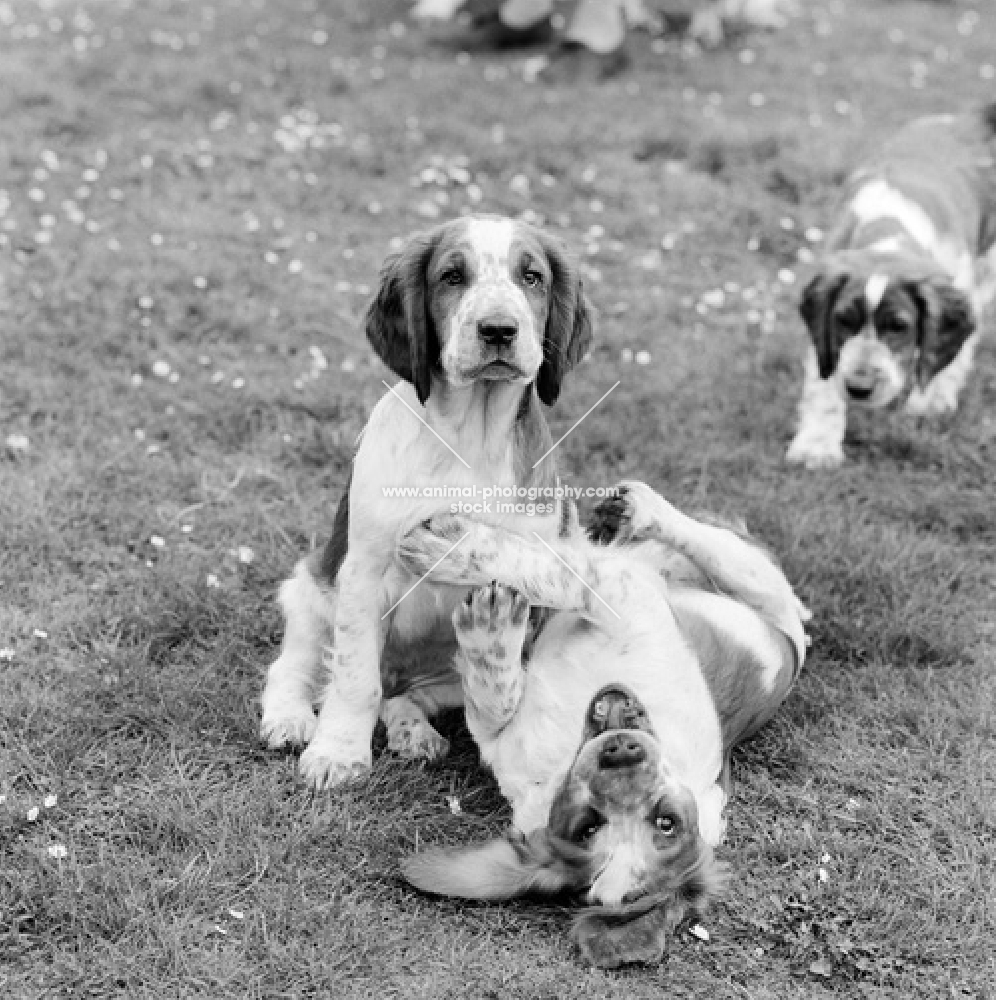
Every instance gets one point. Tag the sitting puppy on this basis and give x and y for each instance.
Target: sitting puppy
(907, 274)
(481, 318)
(664, 649)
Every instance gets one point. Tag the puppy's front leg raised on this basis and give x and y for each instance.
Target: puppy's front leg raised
(340, 748)
(490, 626)
(818, 443)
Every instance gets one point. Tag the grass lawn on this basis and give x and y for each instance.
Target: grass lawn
(197, 200)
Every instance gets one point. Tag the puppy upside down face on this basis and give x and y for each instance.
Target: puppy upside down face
(623, 836)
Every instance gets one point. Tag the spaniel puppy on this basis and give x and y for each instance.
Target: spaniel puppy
(908, 272)
(481, 318)
(665, 647)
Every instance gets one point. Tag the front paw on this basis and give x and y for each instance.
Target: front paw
(491, 621)
(935, 401)
(420, 549)
(287, 724)
(814, 453)
(329, 764)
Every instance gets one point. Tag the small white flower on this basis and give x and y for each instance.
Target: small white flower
(32, 814)
(238, 383)
(236, 914)
(50, 801)
(642, 357)
(786, 277)
(212, 580)
(454, 803)
(626, 355)
(295, 267)
(145, 302)
(824, 858)
(6, 654)
(137, 380)
(18, 442)
(246, 554)
(40, 633)
(158, 541)
(348, 365)
(160, 369)
(200, 281)
(698, 931)
(186, 528)
(58, 851)
(821, 874)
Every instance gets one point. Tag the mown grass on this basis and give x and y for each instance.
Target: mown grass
(195, 865)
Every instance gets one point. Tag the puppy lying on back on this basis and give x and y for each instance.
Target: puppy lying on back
(481, 318)
(907, 274)
(611, 737)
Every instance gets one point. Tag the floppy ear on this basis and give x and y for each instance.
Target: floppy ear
(638, 932)
(500, 869)
(816, 308)
(946, 321)
(569, 325)
(398, 323)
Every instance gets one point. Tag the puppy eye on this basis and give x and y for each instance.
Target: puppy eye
(895, 324)
(532, 279)
(452, 277)
(589, 825)
(667, 825)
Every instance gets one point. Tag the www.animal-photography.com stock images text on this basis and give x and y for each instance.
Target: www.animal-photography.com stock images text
(497, 499)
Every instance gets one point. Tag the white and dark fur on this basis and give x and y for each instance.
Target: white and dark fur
(481, 318)
(611, 735)
(908, 274)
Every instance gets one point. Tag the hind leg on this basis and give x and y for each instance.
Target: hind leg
(732, 564)
(409, 732)
(293, 680)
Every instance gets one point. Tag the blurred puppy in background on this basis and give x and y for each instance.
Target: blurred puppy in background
(908, 272)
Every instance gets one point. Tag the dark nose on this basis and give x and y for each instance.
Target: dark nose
(621, 750)
(497, 331)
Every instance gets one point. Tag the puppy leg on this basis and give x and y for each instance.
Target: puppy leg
(822, 420)
(340, 748)
(292, 680)
(733, 565)
(491, 627)
(566, 576)
(409, 732)
(940, 396)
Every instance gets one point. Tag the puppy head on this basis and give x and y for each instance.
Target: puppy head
(480, 299)
(622, 831)
(876, 319)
